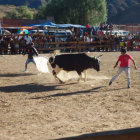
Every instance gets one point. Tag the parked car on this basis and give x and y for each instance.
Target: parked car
(62, 35)
(5, 32)
(37, 31)
(118, 32)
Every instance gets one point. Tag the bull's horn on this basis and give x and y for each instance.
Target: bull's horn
(99, 56)
(56, 52)
(94, 57)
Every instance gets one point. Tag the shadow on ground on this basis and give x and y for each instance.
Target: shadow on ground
(127, 134)
(30, 88)
(71, 93)
(94, 90)
(33, 88)
(16, 75)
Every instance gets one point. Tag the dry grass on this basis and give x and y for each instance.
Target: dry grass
(6, 8)
(34, 106)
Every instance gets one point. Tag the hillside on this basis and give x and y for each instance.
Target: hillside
(117, 9)
(131, 15)
(6, 8)
(29, 3)
(117, 6)
(114, 6)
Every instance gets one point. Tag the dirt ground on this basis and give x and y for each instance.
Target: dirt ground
(33, 106)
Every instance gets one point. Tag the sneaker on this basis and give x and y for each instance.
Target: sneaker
(129, 87)
(110, 83)
(25, 71)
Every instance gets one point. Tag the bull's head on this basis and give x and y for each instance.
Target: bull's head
(97, 63)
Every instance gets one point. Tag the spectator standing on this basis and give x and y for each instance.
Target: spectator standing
(28, 40)
(6, 44)
(117, 43)
(22, 45)
(1, 45)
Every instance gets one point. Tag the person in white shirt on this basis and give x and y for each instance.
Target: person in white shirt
(28, 40)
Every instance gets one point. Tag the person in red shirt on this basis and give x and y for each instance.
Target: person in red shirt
(124, 66)
(87, 26)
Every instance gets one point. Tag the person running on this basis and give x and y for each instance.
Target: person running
(124, 66)
(31, 51)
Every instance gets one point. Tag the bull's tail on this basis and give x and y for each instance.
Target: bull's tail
(51, 60)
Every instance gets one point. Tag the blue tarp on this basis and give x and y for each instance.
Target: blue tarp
(50, 24)
(69, 26)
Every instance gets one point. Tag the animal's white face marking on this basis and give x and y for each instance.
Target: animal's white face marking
(98, 61)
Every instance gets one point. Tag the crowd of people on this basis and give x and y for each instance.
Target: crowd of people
(88, 39)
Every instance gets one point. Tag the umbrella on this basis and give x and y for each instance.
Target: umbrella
(22, 31)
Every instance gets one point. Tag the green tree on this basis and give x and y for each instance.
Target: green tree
(76, 11)
(22, 12)
(41, 12)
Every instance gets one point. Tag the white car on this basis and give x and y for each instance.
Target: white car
(37, 31)
(5, 32)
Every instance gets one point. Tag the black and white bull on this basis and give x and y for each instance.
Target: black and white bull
(74, 62)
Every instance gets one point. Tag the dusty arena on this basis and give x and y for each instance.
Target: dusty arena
(34, 106)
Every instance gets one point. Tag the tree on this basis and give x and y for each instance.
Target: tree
(22, 12)
(76, 11)
(41, 12)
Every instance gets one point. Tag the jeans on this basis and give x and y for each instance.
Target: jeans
(30, 60)
(127, 72)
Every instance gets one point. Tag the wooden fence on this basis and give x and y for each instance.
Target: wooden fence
(71, 46)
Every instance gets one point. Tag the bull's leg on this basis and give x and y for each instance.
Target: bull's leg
(85, 75)
(80, 76)
(55, 75)
(56, 70)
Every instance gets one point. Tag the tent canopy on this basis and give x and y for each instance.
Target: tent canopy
(69, 26)
(51, 24)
